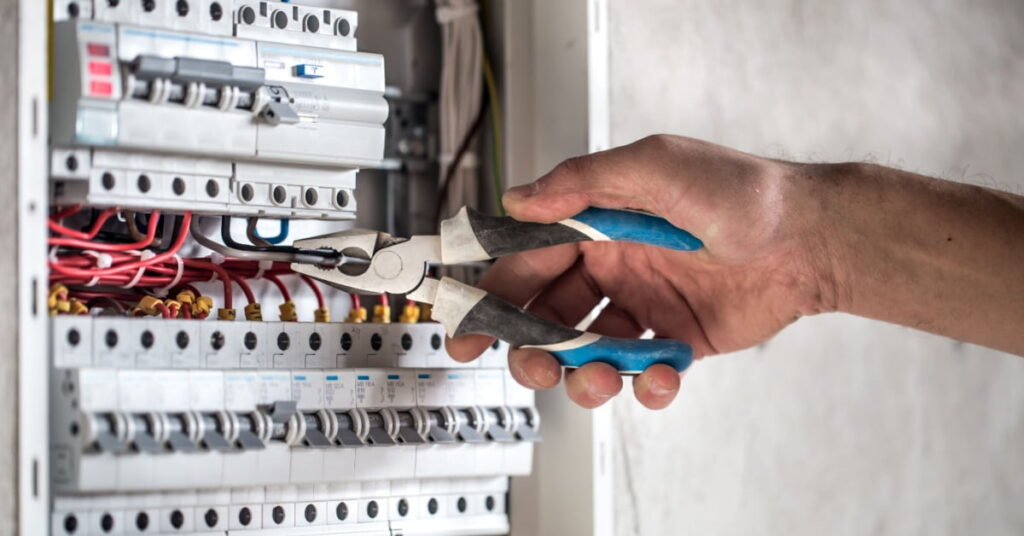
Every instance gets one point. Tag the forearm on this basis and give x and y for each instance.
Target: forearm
(935, 255)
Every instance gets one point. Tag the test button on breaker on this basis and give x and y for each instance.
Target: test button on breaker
(309, 70)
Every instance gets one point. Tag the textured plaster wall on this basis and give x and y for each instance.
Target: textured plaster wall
(839, 425)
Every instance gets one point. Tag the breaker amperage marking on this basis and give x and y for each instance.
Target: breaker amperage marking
(398, 266)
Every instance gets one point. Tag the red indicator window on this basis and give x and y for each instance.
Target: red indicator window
(98, 49)
(101, 89)
(101, 68)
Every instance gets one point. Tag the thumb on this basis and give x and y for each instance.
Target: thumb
(608, 179)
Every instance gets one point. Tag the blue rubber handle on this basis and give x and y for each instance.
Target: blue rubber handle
(629, 355)
(629, 226)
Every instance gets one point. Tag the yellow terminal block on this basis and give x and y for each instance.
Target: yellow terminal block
(410, 313)
(289, 313)
(381, 314)
(148, 305)
(322, 314)
(186, 296)
(425, 311)
(225, 314)
(58, 294)
(253, 312)
(205, 304)
(356, 315)
(76, 307)
(174, 306)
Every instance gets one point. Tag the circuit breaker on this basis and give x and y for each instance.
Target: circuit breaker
(170, 411)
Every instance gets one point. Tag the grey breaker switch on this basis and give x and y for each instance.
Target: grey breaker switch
(436, 431)
(496, 429)
(347, 436)
(314, 431)
(526, 431)
(177, 434)
(213, 437)
(143, 440)
(407, 429)
(248, 77)
(465, 430)
(281, 411)
(210, 72)
(277, 111)
(105, 436)
(248, 438)
(377, 435)
(149, 67)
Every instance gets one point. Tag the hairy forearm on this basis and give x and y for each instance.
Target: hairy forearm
(935, 255)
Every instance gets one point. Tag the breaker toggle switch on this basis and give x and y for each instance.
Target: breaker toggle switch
(181, 431)
(347, 430)
(284, 422)
(467, 422)
(249, 430)
(146, 433)
(216, 430)
(319, 429)
(377, 429)
(527, 423)
(498, 424)
(107, 432)
(277, 111)
(438, 425)
(408, 431)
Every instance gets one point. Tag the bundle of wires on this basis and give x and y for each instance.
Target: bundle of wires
(462, 54)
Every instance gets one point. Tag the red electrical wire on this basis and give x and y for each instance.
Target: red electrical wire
(321, 303)
(384, 300)
(355, 301)
(90, 234)
(87, 274)
(246, 289)
(101, 246)
(65, 212)
(222, 274)
(281, 287)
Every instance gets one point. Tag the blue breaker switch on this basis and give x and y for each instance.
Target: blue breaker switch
(308, 70)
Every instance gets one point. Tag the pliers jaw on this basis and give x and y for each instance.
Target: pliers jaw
(389, 265)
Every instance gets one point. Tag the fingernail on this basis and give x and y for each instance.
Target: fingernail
(658, 389)
(519, 371)
(524, 191)
(544, 376)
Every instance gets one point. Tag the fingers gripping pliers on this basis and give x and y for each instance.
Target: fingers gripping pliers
(399, 266)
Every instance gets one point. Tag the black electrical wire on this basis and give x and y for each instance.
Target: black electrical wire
(467, 141)
(225, 235)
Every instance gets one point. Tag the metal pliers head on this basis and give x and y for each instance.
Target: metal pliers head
(377, 262)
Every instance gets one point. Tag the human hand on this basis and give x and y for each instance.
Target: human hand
(764, 264)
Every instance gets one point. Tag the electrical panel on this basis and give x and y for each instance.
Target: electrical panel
(170, 413)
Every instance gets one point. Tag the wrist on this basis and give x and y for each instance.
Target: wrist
(822, 230)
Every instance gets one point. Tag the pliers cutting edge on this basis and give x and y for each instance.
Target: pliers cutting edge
(399, 266)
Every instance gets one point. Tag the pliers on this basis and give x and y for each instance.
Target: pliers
(399, 266)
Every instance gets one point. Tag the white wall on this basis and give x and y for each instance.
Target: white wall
(839, 425)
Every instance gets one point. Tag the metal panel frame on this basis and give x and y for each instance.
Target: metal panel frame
(556, 88)
(32, 135)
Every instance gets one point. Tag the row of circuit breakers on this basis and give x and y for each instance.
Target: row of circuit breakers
(166, 426)
(271, 104)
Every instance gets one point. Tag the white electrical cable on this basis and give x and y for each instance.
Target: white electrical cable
(461, 92)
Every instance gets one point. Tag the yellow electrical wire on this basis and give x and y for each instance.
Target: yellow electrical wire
(496, 137)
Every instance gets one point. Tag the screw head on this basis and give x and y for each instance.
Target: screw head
(182, 340)
(217, 340)
(74, 337)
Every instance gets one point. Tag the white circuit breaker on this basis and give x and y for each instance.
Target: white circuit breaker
(178, 426)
